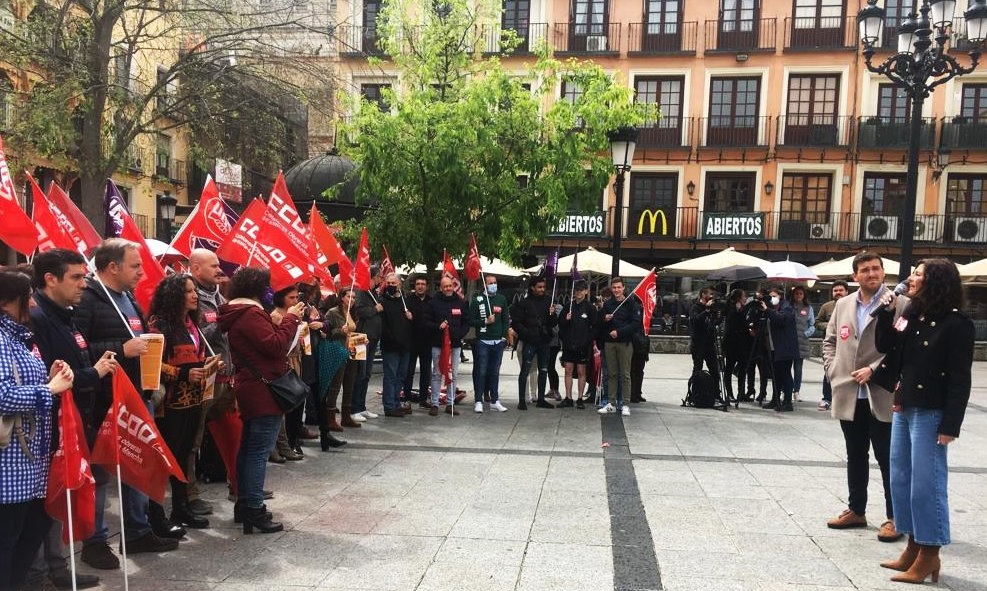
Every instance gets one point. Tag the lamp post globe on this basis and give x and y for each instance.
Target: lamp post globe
(623, 140)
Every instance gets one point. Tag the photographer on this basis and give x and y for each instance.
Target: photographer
(760, 349)
(736, 344)
(705, 315)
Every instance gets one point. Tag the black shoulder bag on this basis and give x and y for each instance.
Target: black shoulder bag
(288, 390)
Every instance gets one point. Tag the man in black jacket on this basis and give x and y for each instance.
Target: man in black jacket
(395, 345)
(702, 323)
(101, 323)
(446, 311)
(577, 328)
(421, 350)
(533, 319)
(59, 278)
(367, 311)
(621, 320)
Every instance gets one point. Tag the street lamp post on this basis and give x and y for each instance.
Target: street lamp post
(622, 143)
(919, 65)
(166, 215)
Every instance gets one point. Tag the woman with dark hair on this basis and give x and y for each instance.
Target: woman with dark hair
(27, 389)
(805, 320)
(175, 314)
(931, 348)
(736, 344)
(342, 325)
(287, 446)
(259, 349)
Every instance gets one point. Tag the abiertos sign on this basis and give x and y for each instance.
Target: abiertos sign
(733, 226)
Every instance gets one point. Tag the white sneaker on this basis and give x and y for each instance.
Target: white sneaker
(607, 409)
(795, 397)
(478, 407)
(497, 406)
(370, 415)
(625, 411)
(358, 417)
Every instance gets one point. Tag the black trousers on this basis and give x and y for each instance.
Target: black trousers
(637, 376)
(705, 353)
(784, 382)
(735, 363)
(23, 527)
(860, 434)
(178, 429)
(763, 367)
(423, 360)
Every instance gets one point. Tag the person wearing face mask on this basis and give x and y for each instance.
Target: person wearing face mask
(781, 318)
(395, 345)
(490, 320)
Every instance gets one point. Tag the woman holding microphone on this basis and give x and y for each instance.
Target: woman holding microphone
(930, 347)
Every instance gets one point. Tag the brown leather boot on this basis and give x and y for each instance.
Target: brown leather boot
(926, 564)
(333, 422)
(346, 420)
(906, 559)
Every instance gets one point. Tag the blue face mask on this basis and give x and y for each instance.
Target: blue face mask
(492, 289)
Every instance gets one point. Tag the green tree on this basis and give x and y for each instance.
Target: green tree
(465, 146)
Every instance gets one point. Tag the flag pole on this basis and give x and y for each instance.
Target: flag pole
(116, 450)
(68, 502)
(250, 258)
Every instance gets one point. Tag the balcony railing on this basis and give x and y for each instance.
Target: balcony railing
(667, 132)
(741, 36)
(958, 40)
(813, 130)
(884, 133)
(144, 223)
(356, 41)
(963, 133)
(822, 33)
(734, 132)
(176, 172)
(586, 39)
(136, 160)
(530, 38)
(662, 39)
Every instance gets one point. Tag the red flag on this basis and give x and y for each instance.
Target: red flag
(51, 234)
(243, 246)
(70, 471)
(647, 292)
(283, 217)
(386, 268)
(473, 268)
(208, 221)
(361, 275)
(72, 217)
(17, 230)
(445, 358)
(129, 437)
(449, 270)
(125, 227)
(328, 244)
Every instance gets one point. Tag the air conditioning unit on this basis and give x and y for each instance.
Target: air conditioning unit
(596, 43)
(880, 227)
(926, 228)
(820, 232)
(970, 229)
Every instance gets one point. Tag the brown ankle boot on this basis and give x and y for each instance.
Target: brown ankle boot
(906, 559)
(926, 564)
(333, 423)
(346, 420)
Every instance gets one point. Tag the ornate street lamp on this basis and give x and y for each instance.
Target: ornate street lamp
(166, 215)
(623, 140)
(919, 66)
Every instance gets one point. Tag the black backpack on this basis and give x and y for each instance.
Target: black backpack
(702, 390)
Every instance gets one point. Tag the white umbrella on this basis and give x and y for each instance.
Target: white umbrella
(975, 272)
(490, 267)
(704, 265)
(843, 268)
(788, 271)
(593, 262)
(160, 250)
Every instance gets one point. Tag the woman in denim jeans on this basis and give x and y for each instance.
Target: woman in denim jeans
(930, 349)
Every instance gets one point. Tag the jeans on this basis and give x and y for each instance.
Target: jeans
(486, 370)
(256, 442)
(619, 370)
(919, 476)
(860, 434)
(359, 402)
(50, 557)
(422, 358)
(797, 381)
(527, 357)
(827, 389)
(437, 375)
(395, 370)
(23, 527)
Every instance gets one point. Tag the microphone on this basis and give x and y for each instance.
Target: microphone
(898, 290)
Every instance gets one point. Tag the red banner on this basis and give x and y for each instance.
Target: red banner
(51, 234)
(647, 292)
(283, 217)
(126, 228)
(72, 217)
(17, 230)
(327, 243)
(208, 221)
(70, 471)
(449, 270)
(244, 247)
(129, 437)
(386, 268)
(473, 267)
(361, 276)
(445, 359)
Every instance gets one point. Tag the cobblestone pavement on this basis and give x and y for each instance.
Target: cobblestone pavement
(667, 498)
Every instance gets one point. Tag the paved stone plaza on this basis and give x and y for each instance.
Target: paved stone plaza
(668, 498)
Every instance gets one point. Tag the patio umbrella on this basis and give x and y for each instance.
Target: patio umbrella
(737, 273)
(975, 272)
(843, 268)
(704, 265)
(490, 267)
(594, 262)
(164, 252)
(788, 271)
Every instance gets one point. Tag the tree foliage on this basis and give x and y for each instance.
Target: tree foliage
(469, 146)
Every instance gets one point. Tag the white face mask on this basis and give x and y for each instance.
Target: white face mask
(775, 300)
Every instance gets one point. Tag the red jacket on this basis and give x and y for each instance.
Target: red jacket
(256, 340)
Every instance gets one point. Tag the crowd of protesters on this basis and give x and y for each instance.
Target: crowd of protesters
(76, 329)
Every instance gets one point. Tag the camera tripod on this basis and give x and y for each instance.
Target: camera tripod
(722, 403)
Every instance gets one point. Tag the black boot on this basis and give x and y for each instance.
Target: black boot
(161, 526)
(182, 516)
(239, 507)
(260, 519)
(327, 441)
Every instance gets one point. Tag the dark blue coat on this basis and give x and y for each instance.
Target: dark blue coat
(784, 337)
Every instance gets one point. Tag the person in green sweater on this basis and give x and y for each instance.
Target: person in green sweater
(489, 316)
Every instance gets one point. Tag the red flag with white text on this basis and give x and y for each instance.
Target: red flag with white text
(72, 217)
(17, 229)
(129, 437)
(124, 227)
(449, 270)
(209, 222)
(51, 234)
(647, 292)
(386, 268)
(70, 471)
(473, 266)
(282, 216)
(275, 252)
(361, 275)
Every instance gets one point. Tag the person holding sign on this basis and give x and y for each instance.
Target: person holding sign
(175, 315)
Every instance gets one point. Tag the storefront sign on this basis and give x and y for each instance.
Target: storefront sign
(733, 226)
(593, 224)
(653, 222)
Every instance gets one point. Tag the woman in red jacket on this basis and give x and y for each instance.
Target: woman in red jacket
(259, 349)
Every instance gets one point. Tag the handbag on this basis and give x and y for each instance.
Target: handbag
(12, 426)
(288, 390)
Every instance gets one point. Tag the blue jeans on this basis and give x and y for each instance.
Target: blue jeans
(486, 370)
(256, 442)
(437, 375)
(797, 380)
(527, 357)
(918, 476)
(395, 370)
(366, 369)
